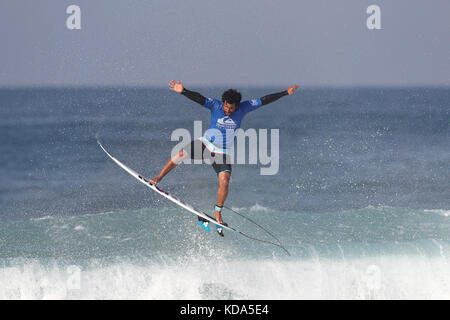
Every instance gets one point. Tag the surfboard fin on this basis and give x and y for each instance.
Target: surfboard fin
(219, 230)
(204, 223)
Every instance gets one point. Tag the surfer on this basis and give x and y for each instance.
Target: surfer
(226, 117)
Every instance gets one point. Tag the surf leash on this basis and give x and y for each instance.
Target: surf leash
(279, 244)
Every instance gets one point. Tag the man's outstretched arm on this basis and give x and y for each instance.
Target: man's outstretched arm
(275, 96)
(194, 96)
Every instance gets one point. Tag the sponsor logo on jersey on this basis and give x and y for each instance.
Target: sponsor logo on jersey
(226, 123)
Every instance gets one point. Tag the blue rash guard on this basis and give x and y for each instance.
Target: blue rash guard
(221, 131)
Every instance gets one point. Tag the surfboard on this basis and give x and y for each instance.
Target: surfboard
(164, 193)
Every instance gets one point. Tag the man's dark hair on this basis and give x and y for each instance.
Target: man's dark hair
(232, 96)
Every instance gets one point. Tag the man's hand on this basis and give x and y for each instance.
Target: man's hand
(176, 86)
(291, 89)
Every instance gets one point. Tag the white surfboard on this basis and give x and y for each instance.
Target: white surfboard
(165, 193)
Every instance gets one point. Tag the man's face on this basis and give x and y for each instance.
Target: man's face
(228, 108)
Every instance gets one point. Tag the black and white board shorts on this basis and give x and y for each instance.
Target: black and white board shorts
(197, 150)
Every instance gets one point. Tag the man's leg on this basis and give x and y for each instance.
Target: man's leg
(222, 192)
(171, 163)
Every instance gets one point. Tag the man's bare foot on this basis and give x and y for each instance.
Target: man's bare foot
(155, 180)
(218, 217)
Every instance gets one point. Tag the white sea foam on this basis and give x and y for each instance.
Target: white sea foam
(381, 277)
(42, 218)
(258, 207)
(445, 213)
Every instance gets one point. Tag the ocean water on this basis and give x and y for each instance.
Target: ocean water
(361, 199)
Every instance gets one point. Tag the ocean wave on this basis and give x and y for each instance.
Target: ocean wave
(445, 213)
(173, 232)
(381, 277)
(369, 253)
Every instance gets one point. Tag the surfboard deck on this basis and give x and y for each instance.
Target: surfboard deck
(165, 193)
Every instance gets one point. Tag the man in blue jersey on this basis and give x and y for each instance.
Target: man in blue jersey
(226, 118)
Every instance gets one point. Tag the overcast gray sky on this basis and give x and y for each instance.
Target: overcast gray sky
(233, 42)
